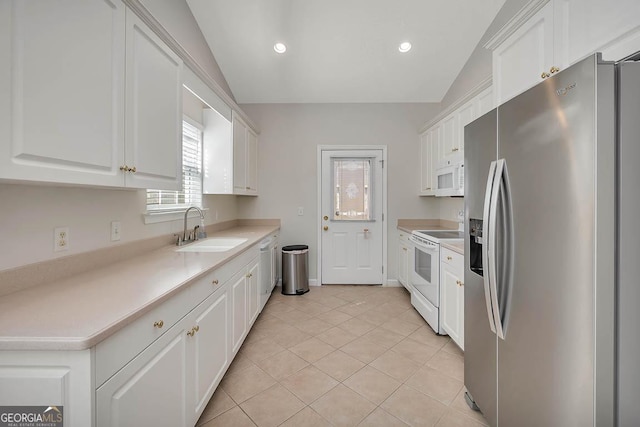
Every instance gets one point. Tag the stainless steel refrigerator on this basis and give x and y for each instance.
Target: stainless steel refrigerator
(542, 208)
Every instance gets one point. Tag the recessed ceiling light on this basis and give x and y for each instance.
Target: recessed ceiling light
(404, 47)
(280, 48)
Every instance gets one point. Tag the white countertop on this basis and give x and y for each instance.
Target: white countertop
(78, 312)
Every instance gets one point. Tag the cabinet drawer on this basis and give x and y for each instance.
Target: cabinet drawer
(117, 350)
(452, 258)
(204, 286)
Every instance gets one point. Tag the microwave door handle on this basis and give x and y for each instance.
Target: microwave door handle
(486, 218)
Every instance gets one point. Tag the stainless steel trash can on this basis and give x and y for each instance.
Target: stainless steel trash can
(295, 273)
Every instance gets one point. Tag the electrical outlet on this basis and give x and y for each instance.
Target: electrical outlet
(60, 239)
(300, 211)
(115, 231)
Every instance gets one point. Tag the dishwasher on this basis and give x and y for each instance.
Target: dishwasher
(268, 268)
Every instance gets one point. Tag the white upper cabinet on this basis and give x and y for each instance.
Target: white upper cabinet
(230, 155)
(62, 85)
(245, 158)
(557, 35)
(583, 27)
(524, 58)
(66, 117)
(447, 148)
(428, 157)
(442, 144)
(153, 110)
(484, 102)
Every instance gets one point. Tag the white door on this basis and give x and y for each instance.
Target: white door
(351, 209)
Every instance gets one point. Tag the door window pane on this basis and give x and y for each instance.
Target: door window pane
(352, 189)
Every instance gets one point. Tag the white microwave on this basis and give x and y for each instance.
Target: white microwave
(450, 180)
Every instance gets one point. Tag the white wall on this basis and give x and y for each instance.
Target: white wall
(290, 134)
(30, 213)
(479, 65)
(176, 17)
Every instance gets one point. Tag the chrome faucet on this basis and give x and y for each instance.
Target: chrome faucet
(195, 234)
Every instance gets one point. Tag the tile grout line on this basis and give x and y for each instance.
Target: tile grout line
(396, 309)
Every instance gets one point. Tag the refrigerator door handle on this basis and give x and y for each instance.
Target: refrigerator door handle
(491, 250)
(488, 268)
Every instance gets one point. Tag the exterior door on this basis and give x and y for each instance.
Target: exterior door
(351, 209)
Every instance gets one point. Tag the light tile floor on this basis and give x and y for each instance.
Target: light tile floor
(343, 356)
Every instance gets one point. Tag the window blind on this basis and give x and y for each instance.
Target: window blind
(191, 194)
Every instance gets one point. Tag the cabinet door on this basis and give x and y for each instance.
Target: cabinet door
(151, 389)
(253, 287)
(252, 162)
(448, 141)
(403, 261)
(583, 27)
(484, 102)
(153, 144)
(450, 306)
(208, 351)
(427, 154)
(239, 310)
(452, 282)
(521, 59)
(465, 115)
(239, 156)
(62, 86)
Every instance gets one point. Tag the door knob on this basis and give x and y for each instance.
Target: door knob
(325, 228)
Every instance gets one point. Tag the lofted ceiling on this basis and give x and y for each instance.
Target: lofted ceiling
(342, 50)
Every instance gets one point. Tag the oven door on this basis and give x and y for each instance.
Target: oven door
(425, 276)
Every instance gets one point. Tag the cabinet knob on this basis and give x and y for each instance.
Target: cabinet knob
(247, 188)
(132, 170)
(554, 69)
(460, 283)
(249, 275)
(544, 75)
(325, 217)
(215, 282)
(449, 258)
(404, 249)
(454, 149)
(159, 324)
(325, 228)
(193, 331)
(124, 168)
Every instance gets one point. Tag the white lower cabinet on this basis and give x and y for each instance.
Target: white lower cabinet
(208, 353)
(405, 256)
(246, 307)
(150, 390)
(170, 382)
(452, 287)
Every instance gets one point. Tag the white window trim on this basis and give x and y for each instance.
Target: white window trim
(174, 213)
(155, 217)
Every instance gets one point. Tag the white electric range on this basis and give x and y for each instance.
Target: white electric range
(425, 274)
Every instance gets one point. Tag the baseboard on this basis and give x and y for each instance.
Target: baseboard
(313, 282)
(393, 283)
